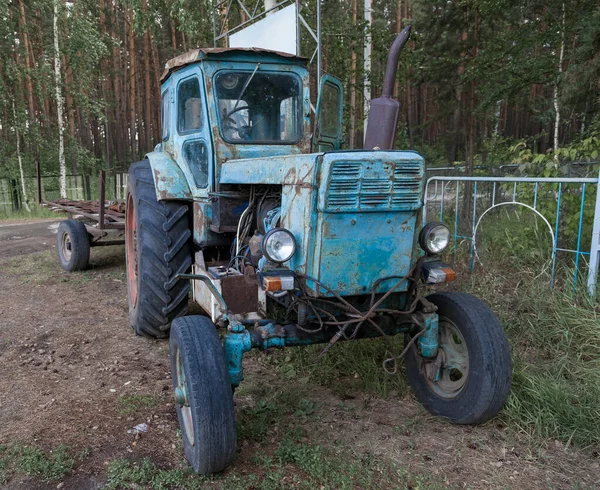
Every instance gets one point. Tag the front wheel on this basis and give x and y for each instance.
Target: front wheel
(203, 394)
(469, 381)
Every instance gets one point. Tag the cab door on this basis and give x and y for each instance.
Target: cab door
(328, 119)
(192, 143)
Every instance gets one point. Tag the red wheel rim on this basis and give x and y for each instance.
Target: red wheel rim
(131, 251)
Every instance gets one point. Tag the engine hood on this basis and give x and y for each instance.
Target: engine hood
(282, 170)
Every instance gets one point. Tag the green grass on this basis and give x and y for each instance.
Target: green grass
(31, 461)
(37, 268)
(124, 474)
(275, 409)
(349, 368)
(555, 337)
(37, 212)
(132, 404)
(290, 464)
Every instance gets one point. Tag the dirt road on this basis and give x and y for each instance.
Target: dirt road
(25, 237)
(72, 373)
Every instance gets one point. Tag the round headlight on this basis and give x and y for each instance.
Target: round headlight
(279, 245)
(434, 238)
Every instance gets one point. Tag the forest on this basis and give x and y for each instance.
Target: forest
(481, 82)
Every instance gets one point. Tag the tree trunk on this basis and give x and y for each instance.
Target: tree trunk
(353, 82)
(156, 92)
(23, 190)
(132, 128)
(28, 64)
(148, 120)
(555, 92)
(59, 105)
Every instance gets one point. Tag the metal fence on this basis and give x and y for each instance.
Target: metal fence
(570, 208)
(79, 187)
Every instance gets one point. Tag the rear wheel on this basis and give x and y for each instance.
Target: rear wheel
(469, 381)
(158, 246)
(73, 245)
(203, 394)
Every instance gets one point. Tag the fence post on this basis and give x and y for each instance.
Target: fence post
(595, 247)
(101, 201)
(38, 177)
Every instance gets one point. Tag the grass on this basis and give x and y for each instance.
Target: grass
(555, 337)
(290, 464)
(348, 368)
(555, 333)
(43, 268)
(31, 461)
(37, 212)
(132, 404)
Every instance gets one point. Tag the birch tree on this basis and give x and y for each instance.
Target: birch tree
(59, 105)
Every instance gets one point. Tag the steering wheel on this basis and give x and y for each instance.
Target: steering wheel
(237, 109)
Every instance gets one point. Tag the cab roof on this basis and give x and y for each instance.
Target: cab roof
(238, 54)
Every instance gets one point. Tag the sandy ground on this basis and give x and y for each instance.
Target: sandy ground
(68, 356)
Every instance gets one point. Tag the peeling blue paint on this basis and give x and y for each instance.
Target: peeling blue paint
(169, 180)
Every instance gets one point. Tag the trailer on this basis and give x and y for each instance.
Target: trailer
(98, 223)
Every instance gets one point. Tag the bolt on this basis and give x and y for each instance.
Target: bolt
(181, 396)
(353, 222)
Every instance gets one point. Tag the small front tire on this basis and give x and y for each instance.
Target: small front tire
(73, 245)
(475, 368)
(203, 394)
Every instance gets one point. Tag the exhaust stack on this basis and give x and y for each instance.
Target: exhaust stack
(383, 115)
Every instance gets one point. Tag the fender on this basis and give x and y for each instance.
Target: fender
(169, 180)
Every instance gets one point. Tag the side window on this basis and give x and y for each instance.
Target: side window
(189, 107)
(164, 118)
(195, 154)
(329, 117)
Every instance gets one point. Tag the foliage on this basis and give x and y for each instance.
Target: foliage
(474, 75)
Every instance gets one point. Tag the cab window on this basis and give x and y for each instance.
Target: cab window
(164, 115)
(259, 107)
(189, 106)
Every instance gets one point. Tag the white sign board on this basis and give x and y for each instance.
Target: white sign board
(277, 31)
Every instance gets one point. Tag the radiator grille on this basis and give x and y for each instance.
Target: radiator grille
(375, 186)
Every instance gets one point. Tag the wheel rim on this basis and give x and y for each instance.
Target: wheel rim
(453, 359)
(65, 246)
(131, 251)
(182, 399)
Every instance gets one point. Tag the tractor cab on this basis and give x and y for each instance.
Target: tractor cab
(222, 104)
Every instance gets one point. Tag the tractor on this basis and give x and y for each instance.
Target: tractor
(284, 239)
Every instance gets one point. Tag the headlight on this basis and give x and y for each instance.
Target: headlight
(279, 245)
(434, 238)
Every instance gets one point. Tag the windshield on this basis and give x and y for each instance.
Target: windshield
(259, 107)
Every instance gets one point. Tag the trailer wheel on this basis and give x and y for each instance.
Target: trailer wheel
(73, 245)
(158, 246)
(475, 368)
(203, 394)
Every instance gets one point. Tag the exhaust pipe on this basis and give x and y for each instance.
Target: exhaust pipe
(383, 115)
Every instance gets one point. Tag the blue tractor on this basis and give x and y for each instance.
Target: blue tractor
(284, 239)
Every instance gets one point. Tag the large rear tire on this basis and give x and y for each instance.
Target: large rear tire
(475, 368)
(203, 394)
(158, 246)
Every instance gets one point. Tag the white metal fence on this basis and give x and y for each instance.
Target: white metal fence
(570, 207)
